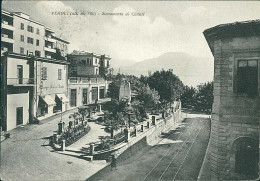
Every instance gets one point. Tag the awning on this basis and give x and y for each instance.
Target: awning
(62, 97)
(48, 100)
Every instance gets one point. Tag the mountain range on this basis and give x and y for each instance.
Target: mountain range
(190, 69)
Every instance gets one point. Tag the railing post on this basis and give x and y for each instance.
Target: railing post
(92, 148)
(153, 120)
(135, 131)
(60, 128)
(127, 134)
(55, 138)
(142, 128)
(63, 145)
(163, 115)
(148, 124)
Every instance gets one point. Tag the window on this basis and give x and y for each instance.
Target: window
(87, 60)
(37, 31)
(44, 73)
(83, 62)
(96, 61)
(22, 26)
(30, 40)
(59, 74)
(102, 92)
(37, 53)
(30, 29)
(22, 38)
(73, 97)
(37, 42)
(21, 50)
(247, 77)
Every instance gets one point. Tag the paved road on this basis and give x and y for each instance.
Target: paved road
(178, 156)
(27, 155)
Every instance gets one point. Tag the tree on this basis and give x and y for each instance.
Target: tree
(188, 96)
(168, 85)
(204, 97)
(83, 111)
(148, 96)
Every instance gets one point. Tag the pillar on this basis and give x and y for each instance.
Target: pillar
(112, 134)
(92, 147)
(148, 124)
(135, 131)
(163, 115)
(142, 128)
(70, 124)
(63, 145)
(127, 134)
(60, 128)
(55, 138)
(99, 108)
(153, 120)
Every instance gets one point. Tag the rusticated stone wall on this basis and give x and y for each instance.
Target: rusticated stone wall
(235, 116)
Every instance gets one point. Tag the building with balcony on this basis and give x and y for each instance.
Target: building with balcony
(34, 73)
(61, 47)
(234, 142)
(32, 87)
(21, 34)
(18, 83)
(86, 85)
(7, 32)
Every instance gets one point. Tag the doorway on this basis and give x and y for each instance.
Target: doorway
(246, 159)
(20, 74)
(19, 115)
(73, 97)
(85, 96)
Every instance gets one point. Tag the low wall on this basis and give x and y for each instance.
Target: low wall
(142, 139)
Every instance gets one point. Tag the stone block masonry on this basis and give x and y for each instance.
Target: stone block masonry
(235, 114)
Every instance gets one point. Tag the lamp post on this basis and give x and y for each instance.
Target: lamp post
(61, 109)
(129, 112)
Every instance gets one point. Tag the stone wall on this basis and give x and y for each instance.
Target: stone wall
(234, 115)
(148, 136)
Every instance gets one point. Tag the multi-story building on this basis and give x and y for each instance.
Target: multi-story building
(85, 83)
(234, 142)
(34, 70)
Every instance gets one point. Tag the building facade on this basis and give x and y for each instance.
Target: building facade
(234, 143)
(86, 85)
(34, 70)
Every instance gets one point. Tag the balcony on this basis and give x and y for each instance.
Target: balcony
(5, 25)
(21, 81)
(77, 80)
(49, 49)
(48, 38)
(6, 38)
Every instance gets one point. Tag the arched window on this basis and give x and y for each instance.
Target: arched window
(247, 157)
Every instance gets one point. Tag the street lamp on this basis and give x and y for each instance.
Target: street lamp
(129, 112)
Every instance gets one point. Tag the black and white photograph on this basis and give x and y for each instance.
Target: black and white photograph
(130, 90)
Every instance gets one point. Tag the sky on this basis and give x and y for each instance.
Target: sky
(163, 27)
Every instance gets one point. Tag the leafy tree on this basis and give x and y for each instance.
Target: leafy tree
(83, 111)
(204, 97)
(148, 96)
(188, 96)
(167, 84)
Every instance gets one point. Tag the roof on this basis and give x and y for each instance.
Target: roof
(83, 53)
(43, 59)
(236, 29)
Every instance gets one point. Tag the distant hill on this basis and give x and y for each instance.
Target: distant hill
(190, 69)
